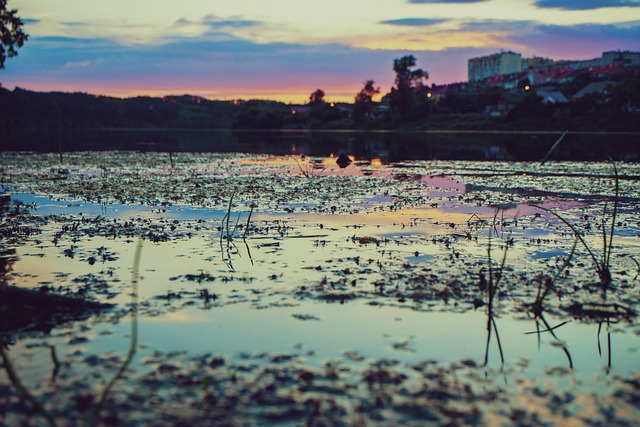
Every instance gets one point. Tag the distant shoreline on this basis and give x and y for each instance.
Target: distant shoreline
(354, 130)
(25, 110)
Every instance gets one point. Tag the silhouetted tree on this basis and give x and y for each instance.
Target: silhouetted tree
(26, 109)
(256, 114)
(317, 97)
(625, 94)
(12, 35)
(404, 98)
(531, 106)
(364, 101)
(472, 101)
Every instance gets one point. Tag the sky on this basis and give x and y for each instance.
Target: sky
(286, 49)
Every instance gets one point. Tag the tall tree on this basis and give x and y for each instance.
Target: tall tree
(12, 35)
(364, 101)
(409, 82)
(317, 97)
(625, 94)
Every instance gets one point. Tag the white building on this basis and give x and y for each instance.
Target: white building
(492, 65)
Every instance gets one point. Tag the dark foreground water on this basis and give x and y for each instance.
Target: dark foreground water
(388, 146)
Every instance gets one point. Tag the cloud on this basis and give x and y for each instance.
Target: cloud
(445, 1)
(488, 25)
(215, 22)
(209, 62)
(219, 66)
(584, 41)
(585, 4)
(182, 22)
(29, 21)
(413, 22)
(82, 64)
(67, 42)
(579, 41)
(217, 62)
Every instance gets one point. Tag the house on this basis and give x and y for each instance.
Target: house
(594, 88)
(552, 97)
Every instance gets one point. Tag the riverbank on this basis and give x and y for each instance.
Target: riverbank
(23, 109)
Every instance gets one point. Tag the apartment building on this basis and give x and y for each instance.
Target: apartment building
(493, 65)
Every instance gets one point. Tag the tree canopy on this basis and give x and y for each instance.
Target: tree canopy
(364, 100)
(404, 97)
(12, 35)
(316, 97)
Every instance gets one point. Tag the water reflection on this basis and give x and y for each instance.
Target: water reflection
(133, 345)
(388, 146)
(274, 316)
(93, 417)
(608, 344)
(548, 329)
(373, 333)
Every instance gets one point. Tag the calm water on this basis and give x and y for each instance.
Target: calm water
(389, 146)
(278, 294)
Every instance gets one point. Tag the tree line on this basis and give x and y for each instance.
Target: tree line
(406, 102)
(412, 103)
(55, 110)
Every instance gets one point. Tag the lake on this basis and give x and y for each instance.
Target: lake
(390, 146)
(257, 282)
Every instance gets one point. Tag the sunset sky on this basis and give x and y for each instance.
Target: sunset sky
(285, 49)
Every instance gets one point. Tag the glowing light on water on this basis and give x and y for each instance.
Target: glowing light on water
(376, 161)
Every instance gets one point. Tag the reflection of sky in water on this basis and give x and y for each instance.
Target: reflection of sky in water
(376, 331)
(373, 331)
(552, 253)
(420, 259)
(47, 206)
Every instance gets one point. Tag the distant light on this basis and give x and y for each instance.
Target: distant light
(332, 104)
(527, 87)
(294, 112)
(376, 161)
(429, 95)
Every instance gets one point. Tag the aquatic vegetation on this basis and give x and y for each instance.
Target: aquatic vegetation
(312, 168)
(337, 314)
(551, 330)
(227, 233)
(29, 398)
(135, 277)
(23, 391)
(491, 286)
(603, 266)
(547, 284)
